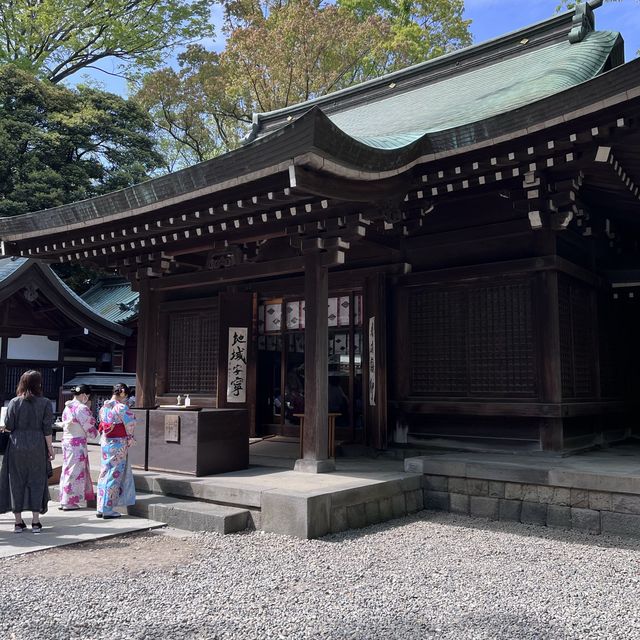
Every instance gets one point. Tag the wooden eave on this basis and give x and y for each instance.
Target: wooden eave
(317, 173)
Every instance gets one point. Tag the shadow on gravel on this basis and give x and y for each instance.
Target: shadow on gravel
(499, 526)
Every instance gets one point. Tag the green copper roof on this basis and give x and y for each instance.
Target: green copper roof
(397, 120)
(113, 299)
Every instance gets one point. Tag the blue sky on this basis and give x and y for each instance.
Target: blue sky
(490, 19)
(493, 18)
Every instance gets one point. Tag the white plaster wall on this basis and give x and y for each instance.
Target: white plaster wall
(29, 347)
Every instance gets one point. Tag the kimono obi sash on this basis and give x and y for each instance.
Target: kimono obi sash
(115, 430)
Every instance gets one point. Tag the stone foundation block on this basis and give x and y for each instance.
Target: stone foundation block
(372, 512)
(386, 510)
(600, 501)
(586, 520)
(459, 503)
(414, 500)
(339, 520)
(436, 483)
(410, 501)
(436, 500)
(620, 524)
(534, 513)
(496, 489)
(458, 485)
(561, 497)
(296, 515)
(513, 491)
(580, 498)
(478, 487)
(484, 507)
(621, 503)
(530, 493)
(510, 510)
(559, 516)
(356, 516)
(399, 505)
(412, 483)
(545, 494)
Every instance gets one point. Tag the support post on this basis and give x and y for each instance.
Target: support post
(147, 345)
(315, 452)
(551, 429)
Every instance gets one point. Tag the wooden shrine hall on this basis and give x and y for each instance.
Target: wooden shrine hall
(447, 255)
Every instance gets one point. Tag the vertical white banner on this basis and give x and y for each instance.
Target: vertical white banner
(237, 365)
(372, 362)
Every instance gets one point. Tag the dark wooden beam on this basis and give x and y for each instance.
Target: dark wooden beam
(246, 271)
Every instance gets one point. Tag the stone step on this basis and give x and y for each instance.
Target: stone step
(271, 461)
(190, 515)
(224, 493)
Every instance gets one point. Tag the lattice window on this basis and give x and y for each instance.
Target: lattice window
(50, 379)
(473, 341)
(438, 342)
(192, 365)
(501, 341)
(576, 339)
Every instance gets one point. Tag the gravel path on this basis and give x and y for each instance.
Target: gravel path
(427, 576)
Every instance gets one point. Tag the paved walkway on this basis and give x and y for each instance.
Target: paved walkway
(61, 528)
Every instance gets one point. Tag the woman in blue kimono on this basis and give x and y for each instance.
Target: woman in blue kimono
(117, 424)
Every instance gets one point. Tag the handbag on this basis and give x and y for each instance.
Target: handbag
(4, 441)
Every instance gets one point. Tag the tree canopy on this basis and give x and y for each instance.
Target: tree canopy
(281, 52)
(57, 38)
(59, 145)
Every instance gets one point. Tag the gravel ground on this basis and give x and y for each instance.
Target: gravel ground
(426, 576)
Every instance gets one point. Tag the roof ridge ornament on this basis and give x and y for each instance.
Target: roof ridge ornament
(583, 20)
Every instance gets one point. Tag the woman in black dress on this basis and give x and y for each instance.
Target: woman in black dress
(23, 477)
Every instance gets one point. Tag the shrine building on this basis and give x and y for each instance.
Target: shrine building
(444, 256)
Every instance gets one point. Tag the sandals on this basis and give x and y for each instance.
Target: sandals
(36, 527)
(19, 527)
(108, 515)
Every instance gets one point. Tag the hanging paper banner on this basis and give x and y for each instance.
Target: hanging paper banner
(237, 365)
(372, 362)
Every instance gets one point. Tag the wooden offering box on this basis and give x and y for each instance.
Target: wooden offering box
(196, 441)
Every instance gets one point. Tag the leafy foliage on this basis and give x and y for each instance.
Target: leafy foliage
(59, 145)
(57, 38)
(281, 52)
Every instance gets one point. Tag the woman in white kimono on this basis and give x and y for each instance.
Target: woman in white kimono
(78, 424)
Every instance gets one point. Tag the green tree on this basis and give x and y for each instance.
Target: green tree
(418, 30)
(281, 52)
(57, 38)
(194, 117)
(59, 145)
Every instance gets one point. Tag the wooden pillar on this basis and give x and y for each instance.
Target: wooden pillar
(147, 347)
(375, 367)
(548, 320)
(315, 452)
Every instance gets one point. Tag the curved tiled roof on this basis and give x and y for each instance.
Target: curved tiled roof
(448, 103)
(477, 94)
(113, 299)
(68, 302)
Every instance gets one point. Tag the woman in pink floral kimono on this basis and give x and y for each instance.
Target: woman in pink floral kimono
(78, 423)
(115, 484)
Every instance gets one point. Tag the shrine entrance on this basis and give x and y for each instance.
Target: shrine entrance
(281, 366)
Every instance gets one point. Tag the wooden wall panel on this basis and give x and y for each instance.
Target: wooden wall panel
(473, 340)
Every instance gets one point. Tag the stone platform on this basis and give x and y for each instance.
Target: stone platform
(596, 491)
(272, 497)
(360, 492)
